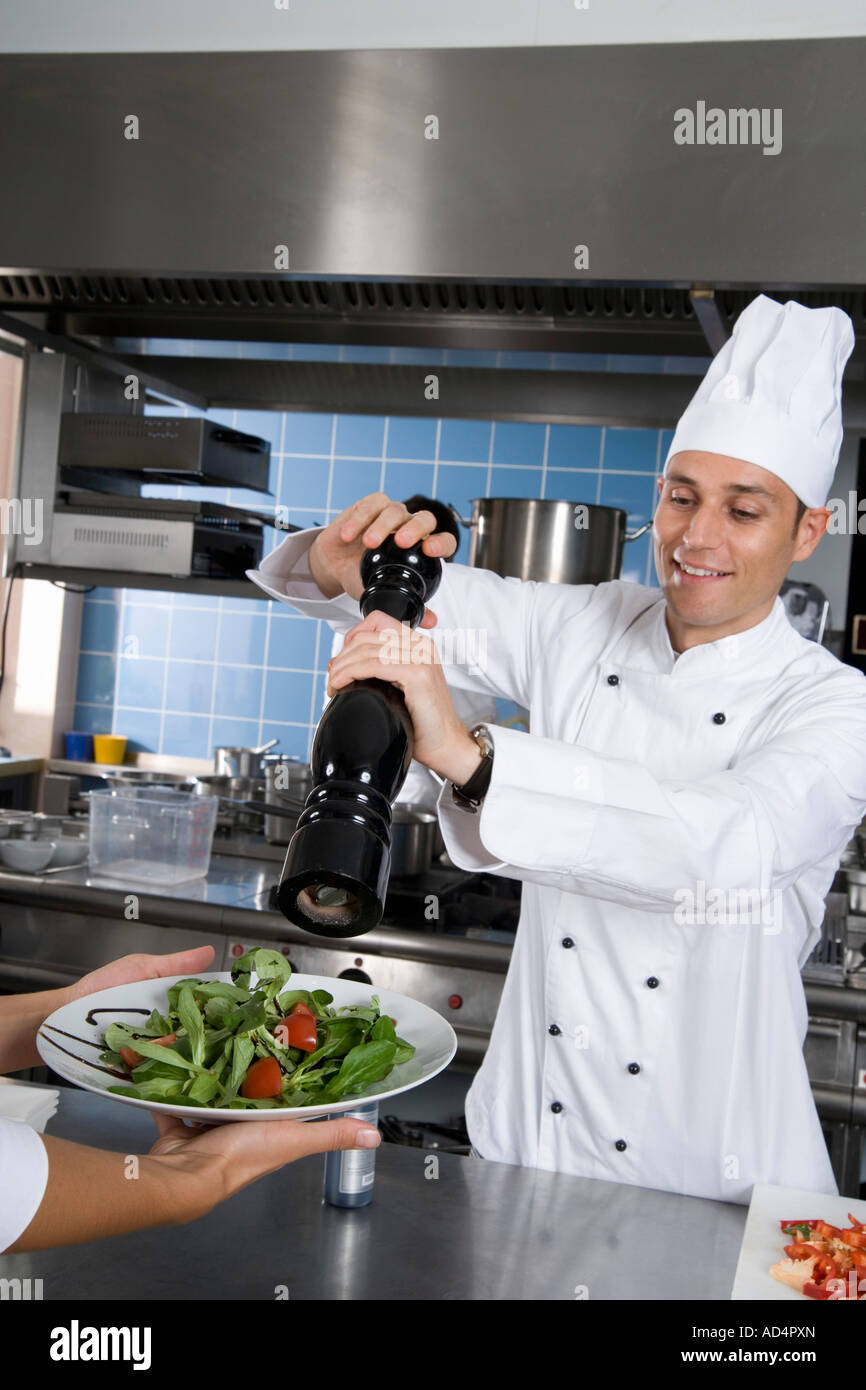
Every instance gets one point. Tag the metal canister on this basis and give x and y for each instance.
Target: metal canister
(350, 1173)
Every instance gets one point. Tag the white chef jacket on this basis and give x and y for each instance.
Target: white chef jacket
(649, 783)
(23, 1178)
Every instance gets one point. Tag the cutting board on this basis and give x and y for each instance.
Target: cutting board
(763, 1242)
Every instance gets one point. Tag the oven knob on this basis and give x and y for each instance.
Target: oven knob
(353, 974)
(455, 1001)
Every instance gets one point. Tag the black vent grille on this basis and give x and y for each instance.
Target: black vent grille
(333, 309)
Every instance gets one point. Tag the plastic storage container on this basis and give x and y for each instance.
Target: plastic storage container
(151, 834)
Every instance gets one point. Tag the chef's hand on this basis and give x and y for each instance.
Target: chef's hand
(335, 555)
(22, 1015)
(380, 648)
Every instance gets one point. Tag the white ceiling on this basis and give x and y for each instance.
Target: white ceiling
(105, 26)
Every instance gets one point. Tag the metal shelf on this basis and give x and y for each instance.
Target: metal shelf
(125, 579)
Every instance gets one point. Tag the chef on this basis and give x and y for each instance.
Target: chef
(693, 772)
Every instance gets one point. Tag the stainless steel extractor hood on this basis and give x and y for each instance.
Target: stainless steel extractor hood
(511, 198)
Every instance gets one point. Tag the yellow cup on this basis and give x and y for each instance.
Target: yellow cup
(108, 748)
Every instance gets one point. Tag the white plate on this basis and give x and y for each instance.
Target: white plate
(433, 1037)
(764, 1244)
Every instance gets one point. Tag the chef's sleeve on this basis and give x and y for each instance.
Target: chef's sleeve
(562, 816)
(485, 629)
(23, 1178)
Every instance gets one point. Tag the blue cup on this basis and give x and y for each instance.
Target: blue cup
(79, 747)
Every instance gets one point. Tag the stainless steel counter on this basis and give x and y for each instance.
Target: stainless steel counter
(479, 1230)
(221, 904)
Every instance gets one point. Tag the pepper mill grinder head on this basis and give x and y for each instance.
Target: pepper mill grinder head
(335, 877)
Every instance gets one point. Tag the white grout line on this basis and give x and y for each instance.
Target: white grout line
(187, 714)
(384, 454)
(544, 459)
(214, 681)
(436, 457)
(270, 607)
(165, 680)
(118, 659)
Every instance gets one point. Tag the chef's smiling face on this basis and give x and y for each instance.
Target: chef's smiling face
(725, 534)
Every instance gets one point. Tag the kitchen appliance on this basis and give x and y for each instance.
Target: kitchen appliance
(163, 448)
(554, 542)
(335, 877)
(151, 535)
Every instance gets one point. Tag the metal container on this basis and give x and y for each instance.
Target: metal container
(350, 1173)
(287, 786)
(856, 890)
(414, 835)
(130, 776)
(240, 762)
(555, 542)
(234, 793)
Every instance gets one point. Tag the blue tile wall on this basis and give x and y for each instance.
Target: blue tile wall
(181, 673)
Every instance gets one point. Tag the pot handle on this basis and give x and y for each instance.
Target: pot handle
(633, 535)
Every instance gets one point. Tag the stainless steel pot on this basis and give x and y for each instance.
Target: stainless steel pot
(287, 785)
(555, 542)
(240, 762)
(414, 837)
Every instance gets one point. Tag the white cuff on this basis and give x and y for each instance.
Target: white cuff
(23, 1178)
(285, 575)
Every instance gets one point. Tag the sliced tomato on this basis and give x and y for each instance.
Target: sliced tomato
(264, 1078)
(300, 1008)
(132, 1058)
(298, 1030)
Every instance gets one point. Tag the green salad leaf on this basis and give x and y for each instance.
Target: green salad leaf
(222, 1031)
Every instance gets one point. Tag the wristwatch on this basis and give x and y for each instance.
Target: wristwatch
(470, 796)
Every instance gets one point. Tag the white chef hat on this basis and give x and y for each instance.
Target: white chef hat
(773, 395)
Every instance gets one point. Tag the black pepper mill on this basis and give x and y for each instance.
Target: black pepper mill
(335, 877)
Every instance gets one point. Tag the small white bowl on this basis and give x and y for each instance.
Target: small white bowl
(68, 852)
(31, 856)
